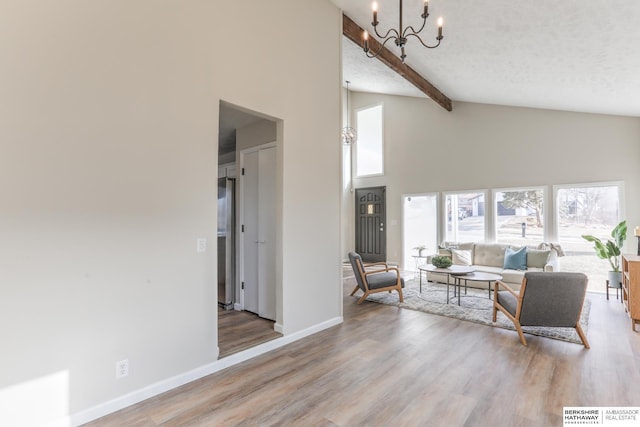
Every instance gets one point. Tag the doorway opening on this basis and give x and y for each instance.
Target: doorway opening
(241, 327)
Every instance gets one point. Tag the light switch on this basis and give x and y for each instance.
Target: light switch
(201, 245)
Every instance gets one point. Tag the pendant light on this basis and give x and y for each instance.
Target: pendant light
(349, 134)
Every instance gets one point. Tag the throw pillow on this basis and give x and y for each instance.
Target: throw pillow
(537, 258)
(515, 259)
(461, 257)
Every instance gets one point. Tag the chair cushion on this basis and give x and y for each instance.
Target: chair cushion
(356, 263)
(553, 299)
(515, 259)
(382, 280)
(508, 301)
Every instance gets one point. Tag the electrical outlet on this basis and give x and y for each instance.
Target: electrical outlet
(201, 245)
(122, 369)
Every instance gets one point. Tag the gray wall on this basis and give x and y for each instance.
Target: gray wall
(477, 146)
(108, 133)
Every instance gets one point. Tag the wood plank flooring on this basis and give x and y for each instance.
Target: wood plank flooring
(387, 366)
(240, 330)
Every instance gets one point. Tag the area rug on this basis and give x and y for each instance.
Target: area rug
(475, 306)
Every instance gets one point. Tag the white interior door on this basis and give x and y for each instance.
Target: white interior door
(267, 233)
(259, 236)
(250, 236)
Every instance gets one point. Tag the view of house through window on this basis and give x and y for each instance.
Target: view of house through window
(420, 228)
(465, 217)
(519, 216)
(369, 149)
(586, 209)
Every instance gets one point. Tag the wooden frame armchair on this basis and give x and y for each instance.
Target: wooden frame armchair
(550, 299)
(381, 279)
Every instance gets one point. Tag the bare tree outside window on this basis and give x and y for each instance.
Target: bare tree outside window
(586, 209)
(520, 216)
(530, 200)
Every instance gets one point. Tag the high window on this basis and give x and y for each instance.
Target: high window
(369, 149)
(586, 209)
(519, 216)
(465, 220)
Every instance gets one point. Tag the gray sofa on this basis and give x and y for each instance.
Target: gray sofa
(489, 258)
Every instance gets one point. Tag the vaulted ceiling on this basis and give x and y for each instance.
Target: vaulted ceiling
(574, 55)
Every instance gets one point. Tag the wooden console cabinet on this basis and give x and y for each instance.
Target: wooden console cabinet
(631, 287)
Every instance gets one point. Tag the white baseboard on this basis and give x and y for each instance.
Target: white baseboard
(278, 328)
(152, 390)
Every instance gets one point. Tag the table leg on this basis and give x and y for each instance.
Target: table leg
(460, 290)
(447, 289)
(420, 280)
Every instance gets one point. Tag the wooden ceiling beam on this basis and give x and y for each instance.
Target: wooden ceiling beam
(354, 33)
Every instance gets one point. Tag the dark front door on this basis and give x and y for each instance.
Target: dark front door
(371, 241)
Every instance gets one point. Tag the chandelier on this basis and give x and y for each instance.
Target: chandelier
(400, 35)
(349, 134)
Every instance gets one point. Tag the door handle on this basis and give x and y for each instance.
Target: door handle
(261, 241)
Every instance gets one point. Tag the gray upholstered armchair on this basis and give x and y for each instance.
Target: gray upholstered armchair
(383, 278)
(552, 299)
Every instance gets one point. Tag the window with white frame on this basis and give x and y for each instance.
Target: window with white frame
(519, 214)
(420, 228)
(586, 209)
(465, 220)
(369, 148)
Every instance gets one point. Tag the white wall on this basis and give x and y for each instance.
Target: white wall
(476, 146)
(108, 134)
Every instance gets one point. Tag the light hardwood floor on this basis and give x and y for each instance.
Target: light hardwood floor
(240, 330)
(387, 366)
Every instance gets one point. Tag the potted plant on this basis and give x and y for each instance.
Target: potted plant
(420, 249)
(611, 251)
(441, 261)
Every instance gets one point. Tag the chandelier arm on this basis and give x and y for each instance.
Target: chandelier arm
(405, 33)
(424, 44)
(370, 55)
(393, 30)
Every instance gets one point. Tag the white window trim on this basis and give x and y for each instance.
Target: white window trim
(355, 165)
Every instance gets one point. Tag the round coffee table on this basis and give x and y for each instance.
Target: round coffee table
(476, 276)
(454, 270)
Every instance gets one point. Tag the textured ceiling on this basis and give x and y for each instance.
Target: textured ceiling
(563, 55)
